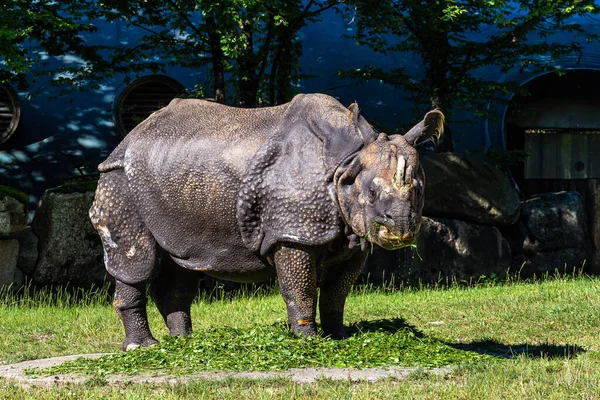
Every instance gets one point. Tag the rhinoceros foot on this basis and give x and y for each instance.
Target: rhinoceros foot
(132, 344)
(338, 333)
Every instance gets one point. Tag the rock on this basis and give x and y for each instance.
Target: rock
(28, 252)
(13, 210)
(446, 249)
(18, 279)
(554, 221)
(469, 189)
(70, 250)
(9, 252)
(594, 218)
(552, 234)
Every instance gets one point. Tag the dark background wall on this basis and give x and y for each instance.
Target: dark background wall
(63, 136)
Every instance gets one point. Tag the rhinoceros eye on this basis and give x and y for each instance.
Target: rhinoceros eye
(372, 194)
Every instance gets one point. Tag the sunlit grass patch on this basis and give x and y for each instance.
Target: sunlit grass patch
(400, 326)
(507, 338)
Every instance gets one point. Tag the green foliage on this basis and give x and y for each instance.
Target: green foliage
(34, 32)
(248, 47)
(455, 39)
(264, 348)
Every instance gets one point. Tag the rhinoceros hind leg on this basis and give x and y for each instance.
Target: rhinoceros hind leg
(130, 305)
(129, 253)
(296, 272)
(335, 285)
(173, 291)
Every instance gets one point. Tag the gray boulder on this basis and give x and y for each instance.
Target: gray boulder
(28, 252)
(552, 234)
(469, 189)
(593, 201)
(13, 210)
(446, 250)
(69, 247)
(9, 252)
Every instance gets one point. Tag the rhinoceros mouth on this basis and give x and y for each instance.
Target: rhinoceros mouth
(390, 240)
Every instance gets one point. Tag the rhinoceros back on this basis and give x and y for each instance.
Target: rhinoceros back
(184, 166)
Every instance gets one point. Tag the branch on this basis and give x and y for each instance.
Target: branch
(307, 8)
(325, 8)
(263, 52)
(194, 28)
(462, 70)
(505, 40)
(145, 28)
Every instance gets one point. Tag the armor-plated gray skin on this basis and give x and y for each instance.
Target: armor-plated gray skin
(246, 194)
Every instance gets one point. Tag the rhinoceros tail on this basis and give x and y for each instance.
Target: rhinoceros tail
(116, 159)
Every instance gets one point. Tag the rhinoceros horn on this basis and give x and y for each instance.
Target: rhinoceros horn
(400, 170)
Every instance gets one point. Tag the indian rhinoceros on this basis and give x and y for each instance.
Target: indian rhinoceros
(300, 191)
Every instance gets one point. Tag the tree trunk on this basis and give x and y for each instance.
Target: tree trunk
(248, 82)
(247, 88)
(446, 145)
(280, 89)
(284, 71)
(272, 80)
(436, 59)
(218, 60)
(438, 100)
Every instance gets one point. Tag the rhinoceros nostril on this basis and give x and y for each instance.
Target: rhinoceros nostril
(388, 220)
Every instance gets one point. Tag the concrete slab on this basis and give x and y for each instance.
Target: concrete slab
(16, 373)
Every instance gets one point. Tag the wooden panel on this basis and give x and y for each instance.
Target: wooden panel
(562, 156)
(593, 152)
(565, 156)
(533, 163)
(579, 144)
(550, 156)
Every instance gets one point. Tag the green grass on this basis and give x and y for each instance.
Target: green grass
(512, 340)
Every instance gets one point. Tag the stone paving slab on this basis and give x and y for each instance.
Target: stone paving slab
(16, 373)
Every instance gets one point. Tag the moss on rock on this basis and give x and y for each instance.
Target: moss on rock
(76, 187)
(6, 191)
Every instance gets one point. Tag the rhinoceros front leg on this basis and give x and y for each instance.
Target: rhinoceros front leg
(130, 305)
(296, 271)
(336, 282)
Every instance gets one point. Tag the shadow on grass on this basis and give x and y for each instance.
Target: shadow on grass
(488, 347)
(384, 325)
(500, 350)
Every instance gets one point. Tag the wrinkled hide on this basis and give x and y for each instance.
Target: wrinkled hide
(216, 185)
(298, 191)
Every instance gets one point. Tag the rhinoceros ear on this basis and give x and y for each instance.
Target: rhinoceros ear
(354, 113)
(431, 126)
